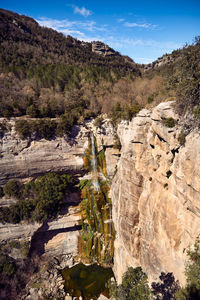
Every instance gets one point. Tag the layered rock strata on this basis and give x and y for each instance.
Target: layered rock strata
(155, 194)
(27, 158)
(24, 159)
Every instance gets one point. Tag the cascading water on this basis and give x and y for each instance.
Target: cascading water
(98, 232)
(95, 181)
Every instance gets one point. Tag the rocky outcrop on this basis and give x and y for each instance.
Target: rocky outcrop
(165, 60)
(58, 237)
(48, 283)
(103, 49)
(27, 158)
(24, 159)
(22, 231)
(155, 193)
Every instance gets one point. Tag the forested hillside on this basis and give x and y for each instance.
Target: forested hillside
(45, 74)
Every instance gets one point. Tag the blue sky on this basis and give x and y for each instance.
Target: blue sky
(143, 30)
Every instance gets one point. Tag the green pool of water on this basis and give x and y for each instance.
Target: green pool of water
(87, 281)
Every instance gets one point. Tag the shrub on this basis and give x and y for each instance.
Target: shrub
(169, 122)
(150, 99)
(23, 129)
(196, 112)
(12, 188)
(181, 138)
(166, 288)
(67, 120)
(44, 128)
(32, 111)
(134, 286)
(192, 272)
(40, 199)
(7, 265)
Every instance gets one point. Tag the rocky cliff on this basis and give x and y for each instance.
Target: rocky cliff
(27, 158)
(155, 194)
(155, 191)
(54, 241)
(24, 159)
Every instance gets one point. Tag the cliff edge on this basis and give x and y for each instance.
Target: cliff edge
(155, 194)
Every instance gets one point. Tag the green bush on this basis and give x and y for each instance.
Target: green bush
(134, 286)
(23, 129)
(150, 99)
(32, 111)
(169, 122)
(7, 265)
(124, 113)
(196, 112)
(192, 272)
(166, 288)
(42, 128)
(67, 120)
(39, 199)
(181, 138)
(12, 188)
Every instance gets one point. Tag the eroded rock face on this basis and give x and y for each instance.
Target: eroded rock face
(156, 195)
(103, 49)
(23, 159)
(27, 158)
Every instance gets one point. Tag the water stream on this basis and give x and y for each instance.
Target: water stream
(90, 281)
(95, 181)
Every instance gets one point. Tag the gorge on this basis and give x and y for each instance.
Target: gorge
(99, 165)
(154, 191)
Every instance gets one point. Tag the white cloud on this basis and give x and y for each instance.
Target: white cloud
(120, 20)
(82, 11)
(65, 26)
(61, 25)
(76, 33)
(123, 44)
(55, 24)
(144, 25)
(89, 30)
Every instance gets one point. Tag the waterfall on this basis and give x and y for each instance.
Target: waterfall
(95, 181)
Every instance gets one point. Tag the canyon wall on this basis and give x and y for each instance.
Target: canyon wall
(155, 191)
(26, 159)
(155, 194)
(21, 159)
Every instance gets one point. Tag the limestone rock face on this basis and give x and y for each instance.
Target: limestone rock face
(102, 49)
(156, 195)
(22, 231)
(27, 158)
(23, 159)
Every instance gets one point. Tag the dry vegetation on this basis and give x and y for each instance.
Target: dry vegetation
(45, 74)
